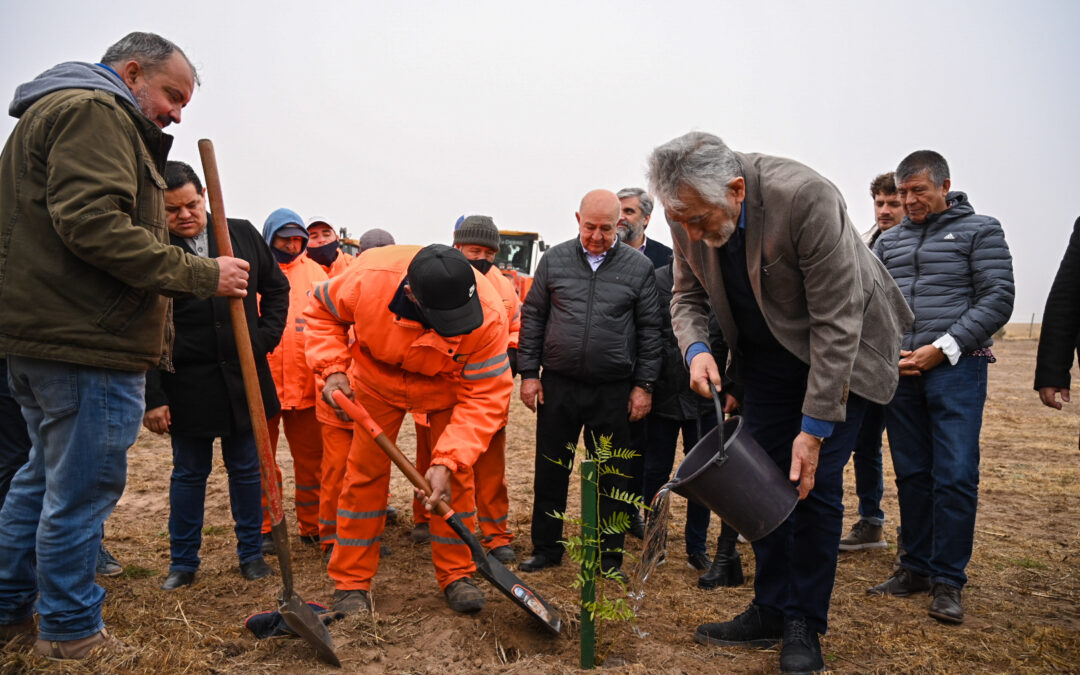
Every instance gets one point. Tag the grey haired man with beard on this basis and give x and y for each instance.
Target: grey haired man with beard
(813, 322)
(636, 207)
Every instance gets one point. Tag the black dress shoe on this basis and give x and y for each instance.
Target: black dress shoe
(176, 579)
(637, 526)
(537, 563)
(268, 544)
(255, 569)
(947, 605)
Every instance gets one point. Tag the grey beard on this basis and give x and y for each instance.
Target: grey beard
(718, 239)
(628, 234)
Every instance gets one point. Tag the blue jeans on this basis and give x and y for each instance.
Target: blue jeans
(934, 423)
(81, 421)
(192, 460)
(662, 435)
(869, 485)
(14, 439)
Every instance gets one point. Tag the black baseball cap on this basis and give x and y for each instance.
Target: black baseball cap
(444, 284)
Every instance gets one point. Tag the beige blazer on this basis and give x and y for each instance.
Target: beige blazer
(825, 296)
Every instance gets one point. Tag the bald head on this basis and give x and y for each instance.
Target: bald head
(600, 200)
(597, 218)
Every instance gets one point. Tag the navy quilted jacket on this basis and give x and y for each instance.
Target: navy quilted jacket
(955, 272)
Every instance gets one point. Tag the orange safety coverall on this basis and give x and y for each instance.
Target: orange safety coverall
(336, 440)
(295, 385)
(395, 365)
(489, 472)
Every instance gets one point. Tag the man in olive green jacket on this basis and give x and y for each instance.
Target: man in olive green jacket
(84, 263)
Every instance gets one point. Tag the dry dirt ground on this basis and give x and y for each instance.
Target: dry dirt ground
(1021, 602)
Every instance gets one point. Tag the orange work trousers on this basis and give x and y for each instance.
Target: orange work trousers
(304, 435)
(489, 479)
(336, 444)
(361, 514)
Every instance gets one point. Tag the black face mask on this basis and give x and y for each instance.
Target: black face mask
(283, 257)
(324, 255)
(482, 265)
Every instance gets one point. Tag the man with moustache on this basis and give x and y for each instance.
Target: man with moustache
(813, 322)
(84, 264)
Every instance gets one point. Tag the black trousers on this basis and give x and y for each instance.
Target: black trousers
(569, 405)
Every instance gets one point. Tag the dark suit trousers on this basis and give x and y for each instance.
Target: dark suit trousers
(796, 563)
(568, 406)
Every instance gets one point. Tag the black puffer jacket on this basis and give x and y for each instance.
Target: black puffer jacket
(596, 327)
(955, 272)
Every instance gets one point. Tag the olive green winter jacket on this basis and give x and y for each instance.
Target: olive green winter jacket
(84, 250)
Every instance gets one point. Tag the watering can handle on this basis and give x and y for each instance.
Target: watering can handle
(719, 415)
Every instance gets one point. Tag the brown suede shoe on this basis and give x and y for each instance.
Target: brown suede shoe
(72, 649)
(19, 634)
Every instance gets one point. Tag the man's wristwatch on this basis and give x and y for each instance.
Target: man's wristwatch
(646, 386)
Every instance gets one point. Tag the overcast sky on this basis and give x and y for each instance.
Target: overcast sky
(406, 115)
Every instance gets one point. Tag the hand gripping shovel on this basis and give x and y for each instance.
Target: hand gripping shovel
(493, 570)
(296, 613)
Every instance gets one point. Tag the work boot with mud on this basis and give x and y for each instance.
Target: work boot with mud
(504, 554)
(464, 596)
(73, 649)
(347, 603)
(420, 534)
(18, 634)
(726, 568)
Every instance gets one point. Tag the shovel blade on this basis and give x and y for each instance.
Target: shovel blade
(299, 616)
(515, 589)
(505, 580)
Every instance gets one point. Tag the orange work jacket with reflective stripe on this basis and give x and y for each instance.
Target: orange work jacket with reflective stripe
(407, 365)
(511, 301)
(323, 412)
(288, 364)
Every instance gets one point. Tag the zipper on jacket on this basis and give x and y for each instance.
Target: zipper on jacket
(915, 280)
(588, 318)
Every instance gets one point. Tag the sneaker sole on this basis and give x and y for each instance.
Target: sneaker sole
(864, 547)
(763, 643)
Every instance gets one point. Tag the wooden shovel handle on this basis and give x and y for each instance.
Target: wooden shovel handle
(243, 339)
(360, 415)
